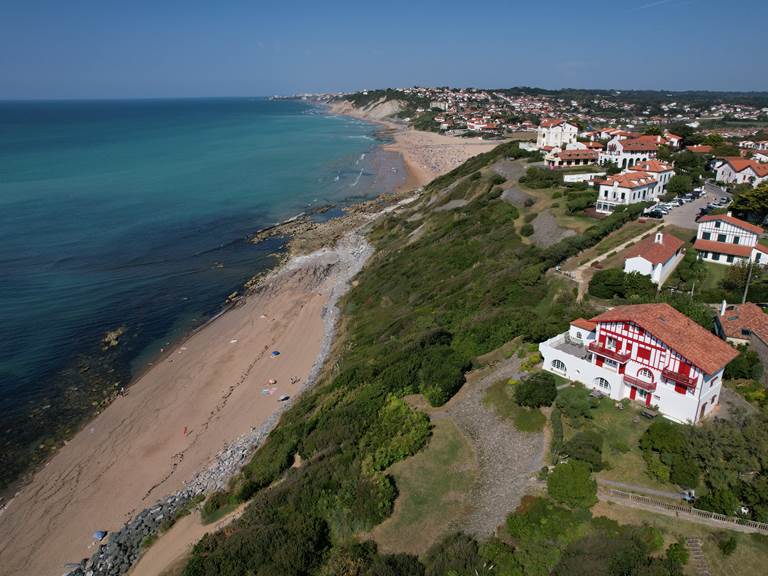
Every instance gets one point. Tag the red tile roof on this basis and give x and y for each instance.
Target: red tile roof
(740, 164)
(549, 122)
(722, 248)
(734, 221)
(655, 252)
(578, 155)
(749, 316)
(701, 149)
(629, 180)
(652, 166)
(583, 324)
(637, 145)
(677, 331)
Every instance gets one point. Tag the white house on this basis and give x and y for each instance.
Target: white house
(558, 158)
(661, 171)
(742, 171)
(727, 240)
(656, 256)
(627, 153)
(649, 353)
(624, 189)
(554, 133)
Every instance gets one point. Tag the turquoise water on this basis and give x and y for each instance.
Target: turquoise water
(137, 214)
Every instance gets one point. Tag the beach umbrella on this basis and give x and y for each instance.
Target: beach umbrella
(99, 535)
(275, 353)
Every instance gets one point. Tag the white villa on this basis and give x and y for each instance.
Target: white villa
(650, 353)
(661, 171)
(656, 256)
(741, 171)
(723, 239)
(629, 152)
(554, 133)
(624, 189)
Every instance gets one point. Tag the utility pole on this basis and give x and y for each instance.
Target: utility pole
(746, 287)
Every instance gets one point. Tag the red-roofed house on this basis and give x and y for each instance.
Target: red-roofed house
(727, 240)
(565, 158)
(700, 149)
(627, 153)
(623, 189)
(673, 140)
(656, 256)
(661, 171)
(742, 171)
(556, 133)
(738, 323)
(646, 352)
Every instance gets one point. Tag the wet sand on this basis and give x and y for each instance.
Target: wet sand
(174, 420)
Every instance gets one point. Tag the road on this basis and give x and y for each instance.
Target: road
(685, 216)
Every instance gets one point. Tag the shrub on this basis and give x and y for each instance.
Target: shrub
(746, 365)
(526, 230)
(529, 202)
(441, 374)
(497, 180)
(536, 177)
(456, 552)
(615, 282)
(530, 217)
(574, 402)
(557, 194)
(572, 484)
(727, 544)
(587, 446)
(537, 389)
(678, 553)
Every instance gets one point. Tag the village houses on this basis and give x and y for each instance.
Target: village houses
(624, 189)
(656, 256)
(554, 133)
(741, 171)
(723, 239)
(649, 353)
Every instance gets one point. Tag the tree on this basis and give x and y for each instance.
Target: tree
(690, 269)
(574, 403)
(572, 484)
(457, 552)
(753, 204)
(746, 365)
(607, 283)
(611, 168)
(586, 446)
(654, 131)
(679, 185)
(537, 389)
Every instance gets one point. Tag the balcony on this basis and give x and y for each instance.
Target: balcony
(642, 384)
(678, 378)
(619, 357)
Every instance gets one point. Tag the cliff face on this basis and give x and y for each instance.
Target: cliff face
(379, 110)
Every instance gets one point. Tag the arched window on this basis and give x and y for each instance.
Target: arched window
(602, 383)
(558, 365)
(645, 374)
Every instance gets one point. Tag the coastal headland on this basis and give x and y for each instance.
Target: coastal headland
(219, 386)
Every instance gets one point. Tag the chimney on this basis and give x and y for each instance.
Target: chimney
(722, 308)
(729, 213)
(659, 238)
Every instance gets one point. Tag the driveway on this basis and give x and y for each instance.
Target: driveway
(685, 216)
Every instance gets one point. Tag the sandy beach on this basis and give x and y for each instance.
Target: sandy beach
(209, 390)
(427, 155)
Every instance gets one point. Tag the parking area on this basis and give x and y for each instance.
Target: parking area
(685, 216)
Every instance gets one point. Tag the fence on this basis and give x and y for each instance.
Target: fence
(648, 501)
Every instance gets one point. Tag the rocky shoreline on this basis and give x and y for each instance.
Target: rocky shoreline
(123, 548)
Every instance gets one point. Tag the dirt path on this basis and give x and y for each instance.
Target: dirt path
(583, 273)
(508, 459)
(173, 546)
(639, 489)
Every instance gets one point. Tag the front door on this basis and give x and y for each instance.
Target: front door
(632, 393)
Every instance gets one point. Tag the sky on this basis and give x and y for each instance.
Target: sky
(167, 48)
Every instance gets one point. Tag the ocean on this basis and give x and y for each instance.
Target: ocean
(134, 217)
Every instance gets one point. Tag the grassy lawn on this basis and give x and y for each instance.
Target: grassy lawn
(715, 273)
(621, 431)
(748, 559)
(626, 232)
(433, 486)
(545, 201)
(500, 397)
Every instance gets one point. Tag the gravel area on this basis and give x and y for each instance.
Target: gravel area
(451, 204)
(509, 460)
(546, 230)
(510, 169)
(515, 196)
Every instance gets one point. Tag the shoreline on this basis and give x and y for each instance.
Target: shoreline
(93, 473)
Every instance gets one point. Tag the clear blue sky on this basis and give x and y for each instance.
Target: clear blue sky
(138, 48)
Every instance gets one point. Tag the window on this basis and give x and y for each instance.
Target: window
(706, 236)
(730, 258)
(602, 383)
(717, 224)
(715, 256)
(558, 365)
(645, 374)
(610, 343)
(578, 335)
(722, 238)
(735, 239)
(745, 332)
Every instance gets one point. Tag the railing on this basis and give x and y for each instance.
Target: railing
(657, 503)
(607, 352)
(679, 378)
(632, 381)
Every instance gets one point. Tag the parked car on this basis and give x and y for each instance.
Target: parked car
(655, 214)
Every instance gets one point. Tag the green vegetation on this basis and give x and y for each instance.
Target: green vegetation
(432, 487)
(571, 483)
(678, 185)
(501, 397)
(751, 203)
(726, 459)
(614, 282)
(535, 390)
(541, 178)
(420, 312)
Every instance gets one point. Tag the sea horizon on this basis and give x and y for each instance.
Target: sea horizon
(146, 246)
